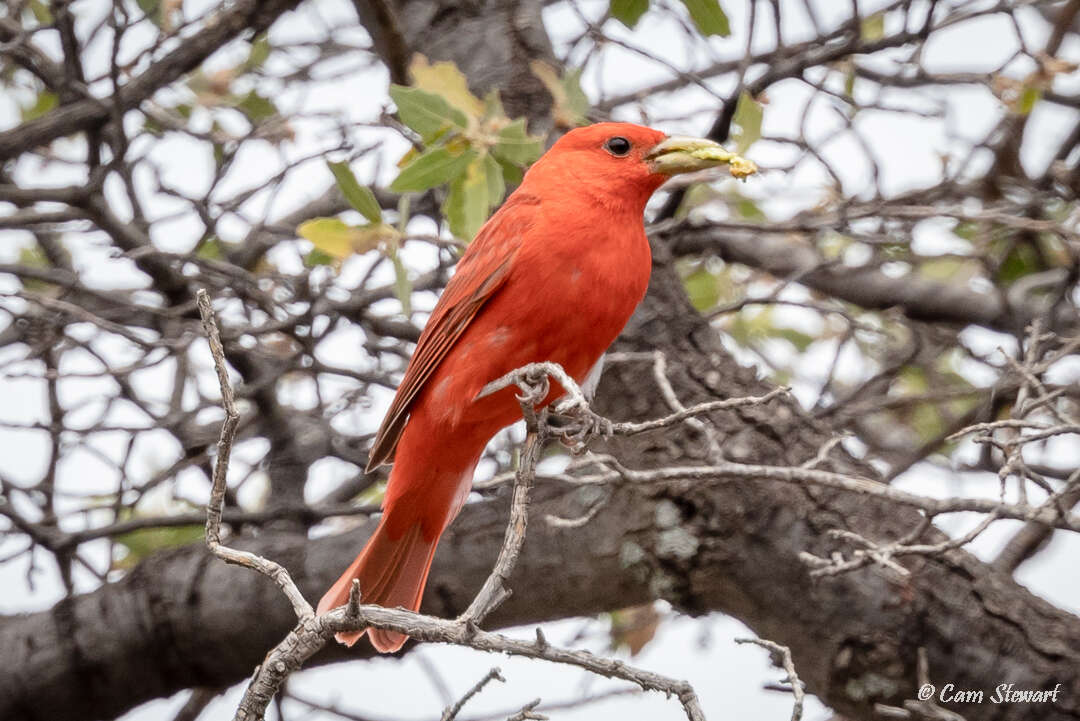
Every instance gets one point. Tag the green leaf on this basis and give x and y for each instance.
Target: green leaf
(577, 100)
(340, 240)
(32, 256)
(948, 268)
(318, 257)
(517, 146)
(570, 106)
(141, 543)
(403, 212)
(748, 116)
(894, 251)
(219, 154)
(800, 340)
(709, 17)
(45, 101)
(260, 51)
(496, 185)
(41, 12)
(512, 174)
(152, 8)
(493, 107)
(1030, 95)
(359, 196)
(912, 380)
(927, 421)
(467, 204)
(966, 230)
(747, 209)
(153, 127)
(872, 27)
(1022, 260)
(256, 107)
(402, 284)
(428, 114)
(702, 289)
(211, 249)
(849, 81)
(628, 12)
(432, 168)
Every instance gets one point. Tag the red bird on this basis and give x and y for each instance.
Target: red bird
(552, 276)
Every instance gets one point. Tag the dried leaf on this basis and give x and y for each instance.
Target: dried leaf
(872, 27)
(445, 80)
(339, 240)
(634, 627)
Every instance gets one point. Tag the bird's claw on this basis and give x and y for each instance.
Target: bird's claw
(534, 388)
(576, 425)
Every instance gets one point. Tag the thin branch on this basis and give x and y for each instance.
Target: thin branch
(789, 667)
(451, 712)
(221, 468)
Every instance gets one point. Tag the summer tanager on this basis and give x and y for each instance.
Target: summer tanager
(552, 276)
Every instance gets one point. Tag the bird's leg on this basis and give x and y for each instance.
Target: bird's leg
(534, 388)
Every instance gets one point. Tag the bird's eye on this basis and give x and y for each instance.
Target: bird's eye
(617, 146)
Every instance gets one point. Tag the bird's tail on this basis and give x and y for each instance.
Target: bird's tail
(392, 572)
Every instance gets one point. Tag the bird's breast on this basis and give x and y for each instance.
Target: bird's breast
(564, 301)
(583, 288)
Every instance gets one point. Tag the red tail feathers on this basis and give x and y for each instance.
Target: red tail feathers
(392, 573)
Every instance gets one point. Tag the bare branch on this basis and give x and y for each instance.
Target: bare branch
(789, 668)
(221, 469)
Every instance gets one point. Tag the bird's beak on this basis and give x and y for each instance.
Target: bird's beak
(679, 154)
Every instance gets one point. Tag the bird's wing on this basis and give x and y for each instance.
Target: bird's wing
(480, 273)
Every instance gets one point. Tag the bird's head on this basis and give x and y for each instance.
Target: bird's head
(622, 161)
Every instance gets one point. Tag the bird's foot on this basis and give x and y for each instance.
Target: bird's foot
(534, 387)
(576, 425)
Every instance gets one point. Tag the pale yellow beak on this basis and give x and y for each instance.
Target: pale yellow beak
(679, 154)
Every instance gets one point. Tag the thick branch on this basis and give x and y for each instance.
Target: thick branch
(919, 298)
